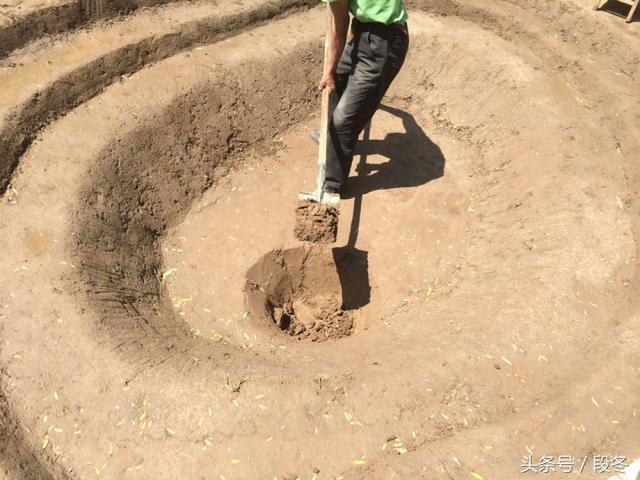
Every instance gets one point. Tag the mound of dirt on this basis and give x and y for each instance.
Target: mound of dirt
(316, 222)
(299, 292)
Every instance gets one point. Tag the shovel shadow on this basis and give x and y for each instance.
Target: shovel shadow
(413, 160)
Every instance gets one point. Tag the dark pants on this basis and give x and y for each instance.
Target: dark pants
(369, 63)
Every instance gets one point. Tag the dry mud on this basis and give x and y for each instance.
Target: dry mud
(299, 292)
(316, 222)
(160, 320)
(27, 21)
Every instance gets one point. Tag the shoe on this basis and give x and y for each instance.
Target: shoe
(330, 198)
(329, 189)
(315, 136)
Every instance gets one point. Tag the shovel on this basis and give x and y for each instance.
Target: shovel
(317, 215)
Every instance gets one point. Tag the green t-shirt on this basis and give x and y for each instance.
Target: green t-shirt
(383, 11)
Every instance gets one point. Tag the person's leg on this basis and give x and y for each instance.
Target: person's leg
(376, 60)
(343, 72)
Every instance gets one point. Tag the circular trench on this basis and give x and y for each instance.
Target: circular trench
(477, 307)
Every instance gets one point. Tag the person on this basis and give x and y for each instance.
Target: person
(358, 74)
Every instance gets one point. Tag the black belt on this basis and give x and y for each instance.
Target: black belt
(378, 28)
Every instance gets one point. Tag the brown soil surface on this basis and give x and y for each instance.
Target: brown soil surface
(70, 70)
(24, 21)
(480, 303)
(299, 292)
(316, 222)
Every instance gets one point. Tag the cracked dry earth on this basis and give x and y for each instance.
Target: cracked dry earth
(159, 319)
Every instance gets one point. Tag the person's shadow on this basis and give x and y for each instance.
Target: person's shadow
(413, 161)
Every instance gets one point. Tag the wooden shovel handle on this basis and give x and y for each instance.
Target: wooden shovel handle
(324, 115)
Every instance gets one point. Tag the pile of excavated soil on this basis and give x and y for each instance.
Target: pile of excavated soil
(316, 222)
(314, 317)
(298, 291)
